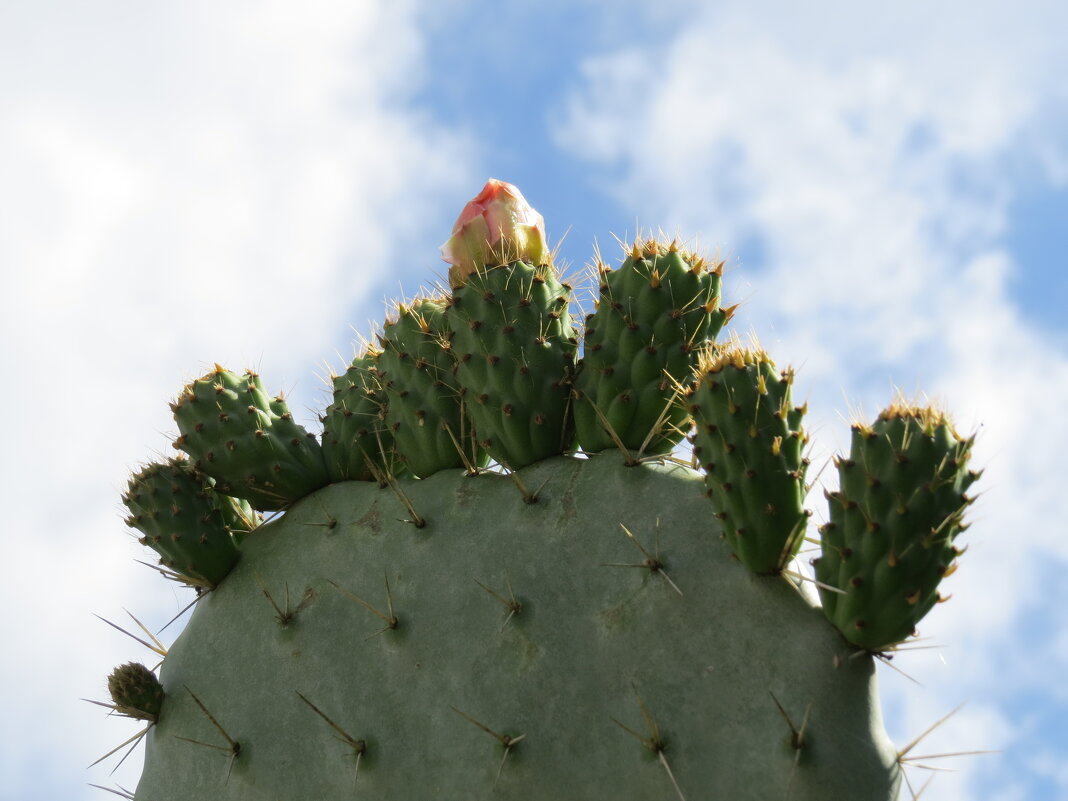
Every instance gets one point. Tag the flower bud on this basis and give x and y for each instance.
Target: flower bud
(497, 227)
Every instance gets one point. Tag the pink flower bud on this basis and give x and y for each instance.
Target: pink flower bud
(497, 227)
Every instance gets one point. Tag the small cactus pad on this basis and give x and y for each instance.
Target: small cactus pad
(893, 522)
(357, 445)
(749, 441)
(514, 347)
(194, 529)
(513, 651)
(247, 441)
(136, 692)
(423, 410)
(655, 313)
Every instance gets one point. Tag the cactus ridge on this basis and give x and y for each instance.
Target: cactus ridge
(514, 346)
(655, 314)
(247, 441)
(893, 522)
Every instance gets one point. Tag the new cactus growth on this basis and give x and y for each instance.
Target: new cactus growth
(193, 528)
(510, 329)
(893, 523)
(357, 445)
(247, 441)
(423, 411)
(136, 692)
(656, 313)
(749, 441)
(621, 638)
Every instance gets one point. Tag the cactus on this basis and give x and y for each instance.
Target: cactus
(656, 313)
(357, 445)
(423, 411)
(630, 628)
(510, 329)
(893, 522)
(136, 692)
(193, 528)
(749, 441)
(246, 440)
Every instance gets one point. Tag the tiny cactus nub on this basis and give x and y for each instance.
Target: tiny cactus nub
(136, 692)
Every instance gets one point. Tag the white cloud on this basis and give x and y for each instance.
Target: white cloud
(867, 151)
(181, 185)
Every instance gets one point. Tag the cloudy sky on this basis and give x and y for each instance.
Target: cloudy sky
(247, 183)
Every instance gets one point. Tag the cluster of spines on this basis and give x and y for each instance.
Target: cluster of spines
(749, 440)
(656, 312)
(893, 521)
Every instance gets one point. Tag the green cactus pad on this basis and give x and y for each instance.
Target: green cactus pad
(749, 441)
(357, 445)
(423, 410)
(194, 529)
(655, 314)
(247, 441)
(514, 651)
(893, 522)
(136, 692)
(514, 345)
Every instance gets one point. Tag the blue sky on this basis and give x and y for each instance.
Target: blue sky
(889, 188)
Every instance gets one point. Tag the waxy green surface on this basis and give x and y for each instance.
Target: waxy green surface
(542, 622)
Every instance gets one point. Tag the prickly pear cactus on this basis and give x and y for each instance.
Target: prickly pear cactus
(588, 616)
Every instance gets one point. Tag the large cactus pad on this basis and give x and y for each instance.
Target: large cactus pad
(590, 645)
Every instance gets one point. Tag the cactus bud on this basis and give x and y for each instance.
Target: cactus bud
(136, 691)
(497, 227)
